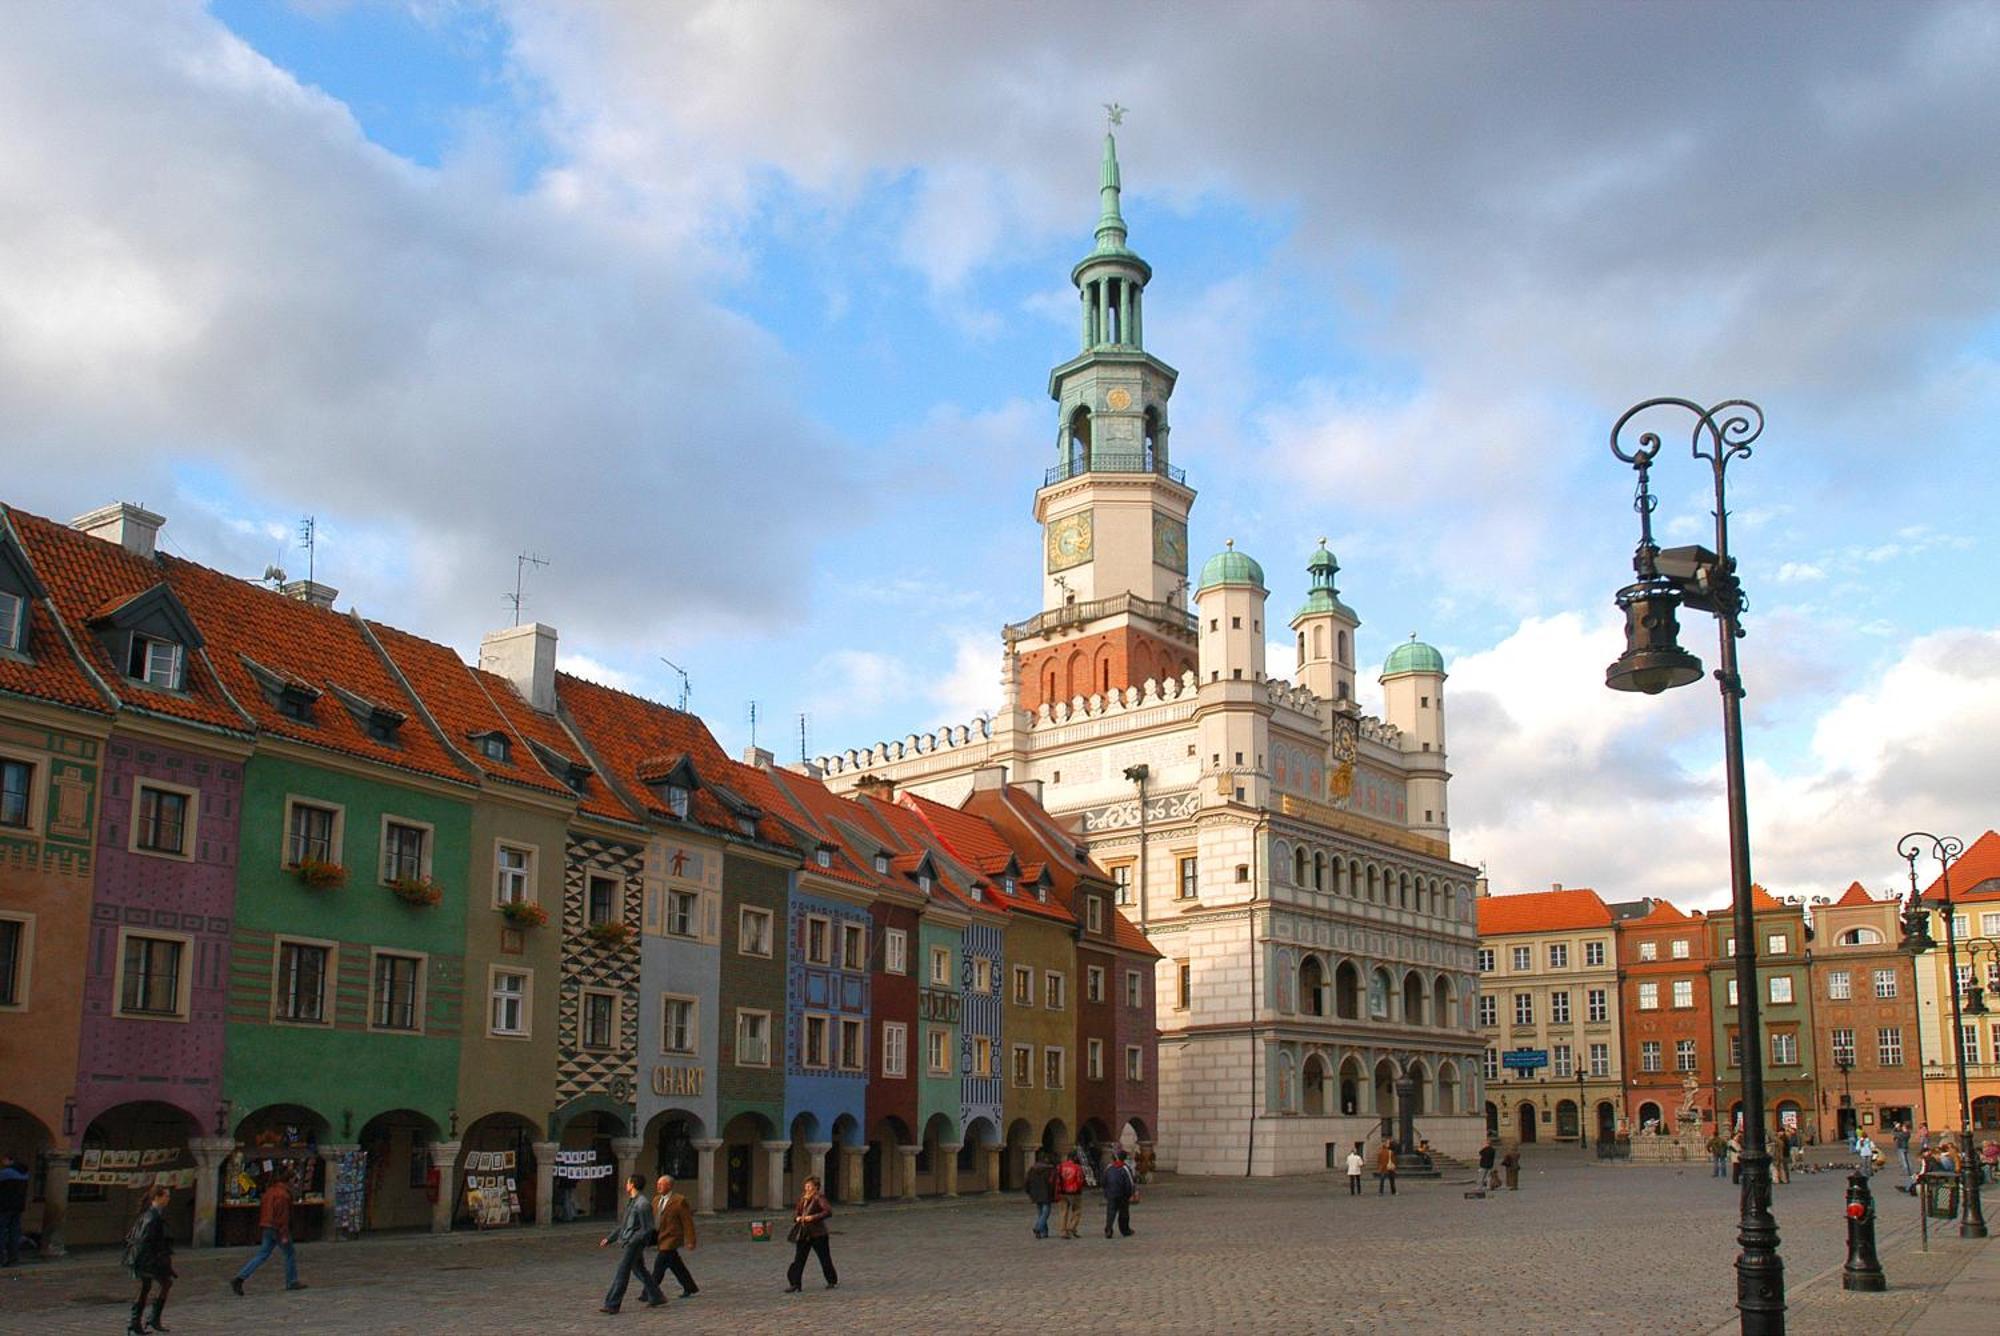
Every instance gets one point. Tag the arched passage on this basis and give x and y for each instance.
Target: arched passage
(398, 1146)
(1079, 441)
(100, 1213)
(593, 1129)
(669, 1147)
(1447, 1083)
(484, 1199)
(1385, 1090)
(1420, 1087)
(1014, 1160)
(1316, 1088)
(882, 1167)
(939, 1132)
(1347, 991)
(1649, 1114)
(1350, 1085)
(746, 1169)
(1444, 1001)
(1413, 999)
(25, 1137)
(1312, 986)
(1525, 1125)
(846, 1132)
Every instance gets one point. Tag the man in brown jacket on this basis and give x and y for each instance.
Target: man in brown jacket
(675, 1219)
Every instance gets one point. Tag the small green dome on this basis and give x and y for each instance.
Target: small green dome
(1413, 656)
(1324, 597)
(1322, 560)
(1230, 567)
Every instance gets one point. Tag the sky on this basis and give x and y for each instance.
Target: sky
(741, 316)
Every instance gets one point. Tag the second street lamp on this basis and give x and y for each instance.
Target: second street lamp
(1653, 661)
(1917, 940)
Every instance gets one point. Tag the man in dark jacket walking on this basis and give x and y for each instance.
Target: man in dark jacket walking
(635, 1231)
(1041, 1191)
(1118, 1192)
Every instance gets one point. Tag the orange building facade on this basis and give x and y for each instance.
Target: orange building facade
(1665, 1016)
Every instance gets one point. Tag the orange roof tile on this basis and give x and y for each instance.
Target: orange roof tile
(625, 731)
(47, 669)
(558, 750)
(822, 813)
(977, 839)
(1855, 894)
(1129, 937)
(1661, 913)
(1762, 901)
(88, 578)
(1970, 872)
(1541, 911)
(913, 839)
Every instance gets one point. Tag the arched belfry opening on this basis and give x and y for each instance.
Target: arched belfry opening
(1155, 442)
(1079, 441)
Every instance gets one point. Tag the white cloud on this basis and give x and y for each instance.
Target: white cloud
(1799, 572)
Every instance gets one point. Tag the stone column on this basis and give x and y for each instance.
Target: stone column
(774, 1173)
(853, 1172)
(626, 1151)
(444, 1158)
(55, 1167)
(909, 1184)
(209, 1153)
(1406, 1117)
(816, 1159)
(704, 1183)
(545, 1181)
(949, 1167)
(991, 1160)
(329, 1157)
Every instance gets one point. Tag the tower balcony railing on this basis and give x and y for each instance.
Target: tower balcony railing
(1073, 614)
(1105, 462)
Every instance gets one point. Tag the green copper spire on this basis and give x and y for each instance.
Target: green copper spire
(1110, 222)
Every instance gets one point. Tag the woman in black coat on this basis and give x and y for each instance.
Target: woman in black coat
(150, 1254)
(809, 1237)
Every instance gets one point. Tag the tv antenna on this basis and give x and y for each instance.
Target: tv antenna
(686, 685)
(309, 540)
(803, 758)
(753, 725)
(521, 563)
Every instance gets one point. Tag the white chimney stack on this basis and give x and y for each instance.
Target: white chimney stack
(310, 591)
(133, 528)
(525, 656)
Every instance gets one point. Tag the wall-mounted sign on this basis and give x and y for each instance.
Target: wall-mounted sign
(684, 1081)
(1524, 1059)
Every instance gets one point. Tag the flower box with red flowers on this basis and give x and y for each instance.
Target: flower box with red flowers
(524, 914)
(419, 891)
(613, 933)
(318, 875)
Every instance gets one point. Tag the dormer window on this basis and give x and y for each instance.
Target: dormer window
(154, 662)
(747, 824)
(382, 728)
(1042, 891)
(494, 747)
(882, 864)
(978, 891)
(13, 620)
(924, 883)
(824, 857)
(677, 800)
(1007, 885)
(295, 705)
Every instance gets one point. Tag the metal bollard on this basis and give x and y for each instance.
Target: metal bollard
(1863, 1269)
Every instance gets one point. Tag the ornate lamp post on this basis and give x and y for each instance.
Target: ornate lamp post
(1845, 1062)
(1653, 661)
(1582, 1137)
(1917, 940)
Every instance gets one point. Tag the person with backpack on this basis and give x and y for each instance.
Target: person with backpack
(1119, 1190)
(149, 1256)
(1041, 1191)
(274, 1218)
(1069, 1196)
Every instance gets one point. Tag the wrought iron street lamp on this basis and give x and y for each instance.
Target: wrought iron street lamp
(1582, 1137)
(1653, 661)
(1916, 940)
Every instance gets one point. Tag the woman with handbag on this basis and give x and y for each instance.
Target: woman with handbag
(808, 1236)
(149, 1255)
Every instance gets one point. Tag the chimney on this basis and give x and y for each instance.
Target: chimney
(989, 779)
(1481, 888)
(1555, 885)
(131, 527)
(757, 758)
(874, 786)
(525, 656)
(1031, 787)
(310, 591)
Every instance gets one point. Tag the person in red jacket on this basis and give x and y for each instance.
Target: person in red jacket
(1069, 1196)
(274, 1217)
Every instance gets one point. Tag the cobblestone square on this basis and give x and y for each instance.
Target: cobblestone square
(1580, 1248)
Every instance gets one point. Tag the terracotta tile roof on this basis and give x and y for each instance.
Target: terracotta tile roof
(558, 750)
(1127, 935)
(462, 709)
(978, 840)
(332, 651)
(1762, 901)
(50, 671)
(1661, 913)
(88, 578)
(813, 805)
(1971, 871)
(913, 839)
(1541, 911)
(1855, 894)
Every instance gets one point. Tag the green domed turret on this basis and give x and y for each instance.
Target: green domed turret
(1413, 656)
(1230, 567)
(1323, 596)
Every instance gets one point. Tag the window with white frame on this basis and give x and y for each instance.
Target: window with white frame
(1776, 943)
(1485, 960)
(1843, 1045)
(814, 1042)
(1052, 1068)
(895, 951)
(941, 966)
(850, 1045)
(513, 874)
(983, 980)
(153, 977)
(1093, 983)
(16, 933)
(1959, 925)
(405, 851)
(1784, 1049)
(1968, 1043)
(1730, 988)
(1563, 1059)
(161, 818)
(895, 1049)
(155, 662)
(1093, 913)
(753, 1038)
(1135, 989)
(1600, 1059)
(508, 1003)
(1135, 1063)
(683, 913)
(1649, 1055)
(1889, 1046)
(1558, 955)
(1683, 992)
(1524, 1008)
(937, 1050)
(1680, 948)
(600, 899)
(1839, 985)
(1489, 1009)
(1093, 1056)
(1491, 1066)
(1122, 876)
(678, 1033)
(1524, 957)
(853, 946)
(1684, 1055)
(398, 987)
(1022, 1066)
(1055, 990)
(1593, 954)
(1188, 879)
(1024, 986)
(1183, 984)
(1781, 988)
(599, 1020)
(753, 932)
(17, 793)
(303, 968)
(1735, 1049)
(1559, 1007)
(13, 620)
(1649, 950)
(819, 941)
(1596, 1006)
(1989, 925)
(1649, 996)
(1885, 983)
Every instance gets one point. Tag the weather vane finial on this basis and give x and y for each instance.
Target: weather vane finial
(1114, 113)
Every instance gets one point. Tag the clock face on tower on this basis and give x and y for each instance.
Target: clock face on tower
(1170, 542)
(1069, 541)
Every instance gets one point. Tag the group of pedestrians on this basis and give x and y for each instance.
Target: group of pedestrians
(1060, 1185)
(149, 1251)
(664, 1221)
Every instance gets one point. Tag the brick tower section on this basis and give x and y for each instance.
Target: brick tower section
(1092, 665)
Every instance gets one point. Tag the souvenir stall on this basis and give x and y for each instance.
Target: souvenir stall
(265, 1146)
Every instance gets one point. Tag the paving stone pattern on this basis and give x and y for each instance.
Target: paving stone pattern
(1580, 1248)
